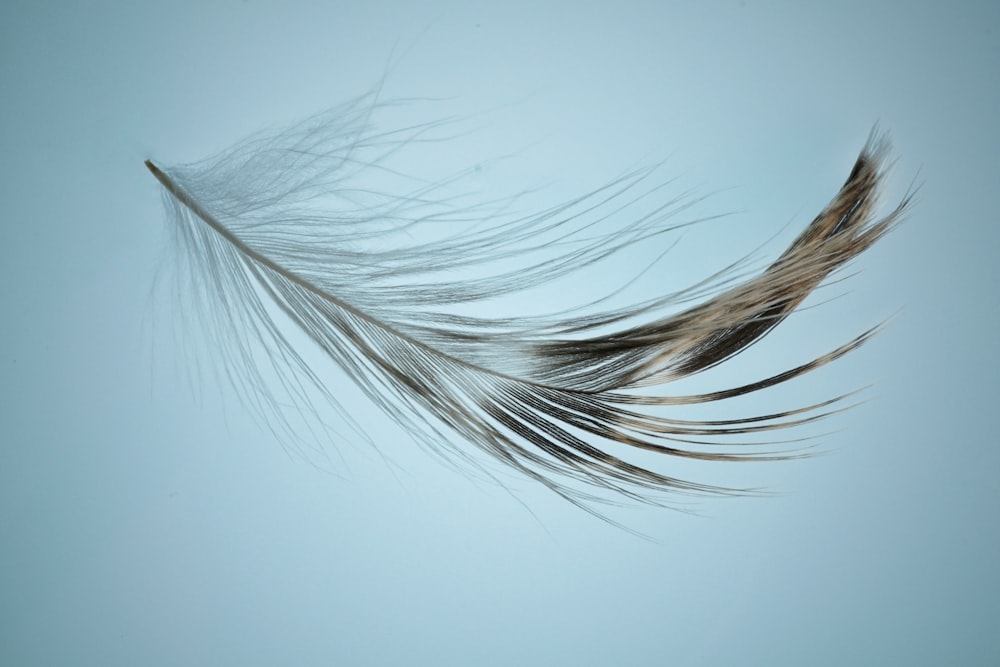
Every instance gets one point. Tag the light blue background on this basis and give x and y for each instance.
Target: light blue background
(147, 520)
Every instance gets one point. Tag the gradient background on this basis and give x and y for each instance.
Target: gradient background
(147, 520)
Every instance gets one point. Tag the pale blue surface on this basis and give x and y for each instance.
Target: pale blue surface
(144, 524)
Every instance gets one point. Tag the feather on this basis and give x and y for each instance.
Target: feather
(280, 234)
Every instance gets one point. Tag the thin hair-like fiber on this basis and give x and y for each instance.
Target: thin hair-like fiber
(279, 223)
